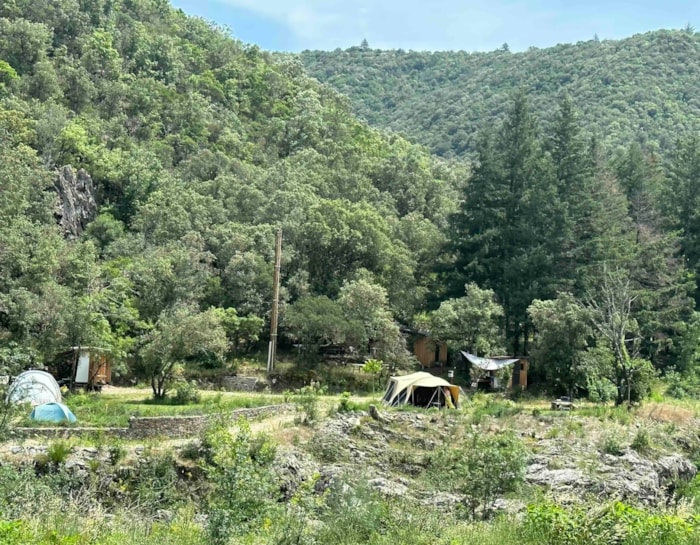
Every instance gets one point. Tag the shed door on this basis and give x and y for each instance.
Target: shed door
(82, 373)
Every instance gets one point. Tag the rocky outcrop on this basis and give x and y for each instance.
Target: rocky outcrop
(392, 455)
(75, 203)
(629, 477)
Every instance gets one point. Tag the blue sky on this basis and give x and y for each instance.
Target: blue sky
(471, 25)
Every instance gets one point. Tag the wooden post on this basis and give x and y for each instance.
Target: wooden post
(275, 304)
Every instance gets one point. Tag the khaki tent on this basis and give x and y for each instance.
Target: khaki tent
(421, 389)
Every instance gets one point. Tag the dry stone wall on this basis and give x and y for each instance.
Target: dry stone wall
(169, 427)
(241, 384)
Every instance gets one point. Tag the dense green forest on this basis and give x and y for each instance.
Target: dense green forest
(148, 159)
(641, 89)
(194, 150)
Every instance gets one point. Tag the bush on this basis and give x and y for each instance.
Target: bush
(495, 409)
(239, 467)
(58, 452)
(682, 386)
(154, 485)
(116, 453)
(601, 390)
(483, 468)
(611, 445)
(186, 393)
(306, 400)
(614, 523)
(354, 513)
(641, 442)
(329, 447)
(344, 403)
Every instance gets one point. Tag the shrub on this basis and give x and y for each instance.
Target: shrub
(614, 523)
(329, 447)
(374, 368)
(354, 513)
(483, 468)
(153, 485)
(58, 452)
(306, 400)
(682, 386)
(116, 453)
(186, 393)
(600, 390)
(642, 441)
(495, 409)
(344, 403)
(239, 467)
(611, 445)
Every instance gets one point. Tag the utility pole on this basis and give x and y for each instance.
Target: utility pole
(272, 353)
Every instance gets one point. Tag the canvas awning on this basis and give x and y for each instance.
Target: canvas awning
(488, 364)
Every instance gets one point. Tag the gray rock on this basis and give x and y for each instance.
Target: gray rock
(508, 506)
(673, 467)
(554, 478)
(388, 488)
(75, 204)
(443, 500)
(628, 476)
(292, 468)
(355, 422)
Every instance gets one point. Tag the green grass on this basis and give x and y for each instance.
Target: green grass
(114, 410)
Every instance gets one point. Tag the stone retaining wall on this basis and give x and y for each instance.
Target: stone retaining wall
(240, 384)
(141, 427)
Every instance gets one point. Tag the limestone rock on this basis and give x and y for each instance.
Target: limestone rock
(388, 488)
(554, 478)
(75, 203)
(292, 469)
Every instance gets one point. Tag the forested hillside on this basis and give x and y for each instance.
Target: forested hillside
(195, 149)
(642, 89)
(147, 160)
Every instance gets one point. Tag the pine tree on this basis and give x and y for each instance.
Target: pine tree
(682, 200)
(503, 232)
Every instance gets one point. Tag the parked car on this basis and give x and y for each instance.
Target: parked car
(563, 403)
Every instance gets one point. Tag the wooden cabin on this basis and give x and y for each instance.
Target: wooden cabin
(429, 352)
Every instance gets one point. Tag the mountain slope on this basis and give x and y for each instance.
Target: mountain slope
(642, 89)
(194, 150)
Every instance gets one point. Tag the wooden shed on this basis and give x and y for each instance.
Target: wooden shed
(86, 367)
(519, 377)
(429, 352)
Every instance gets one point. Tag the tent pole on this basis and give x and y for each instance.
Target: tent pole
(433, 397)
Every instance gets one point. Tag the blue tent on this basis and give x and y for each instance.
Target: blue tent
(53, 412)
